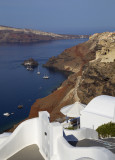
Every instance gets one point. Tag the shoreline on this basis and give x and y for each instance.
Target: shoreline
(26, 36)
(66, 73)
(59, 93)
(16, 125)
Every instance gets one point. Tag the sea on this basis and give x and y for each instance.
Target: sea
(18, 86)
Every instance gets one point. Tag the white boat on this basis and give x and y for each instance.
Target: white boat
(29, 68)
(6, 114)
(38, 72)
(46, 77)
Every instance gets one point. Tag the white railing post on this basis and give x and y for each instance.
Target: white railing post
(56, 131)
(44, 134)
(48, 136)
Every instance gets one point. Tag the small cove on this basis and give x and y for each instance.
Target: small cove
(21, 87)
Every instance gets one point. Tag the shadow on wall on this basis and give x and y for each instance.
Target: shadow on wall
(71, 139)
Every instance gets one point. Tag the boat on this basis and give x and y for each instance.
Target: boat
(29, 68)
(46, 77)
(20, 106)
(38, 72)
(6, 114)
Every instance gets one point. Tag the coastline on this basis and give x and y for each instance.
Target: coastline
(35, 113)
(10, 35)
(88, 61)
(22, 75)
(92, 64)
(57, 99)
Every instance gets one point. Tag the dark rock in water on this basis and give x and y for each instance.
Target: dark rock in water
(30, 63)
(20, 106)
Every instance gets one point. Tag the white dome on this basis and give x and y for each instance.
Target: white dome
(102, 105)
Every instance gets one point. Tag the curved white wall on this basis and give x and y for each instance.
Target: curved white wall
(4, 137)
(82, 133)
(67, 152)
(25, 134)
(49, 138)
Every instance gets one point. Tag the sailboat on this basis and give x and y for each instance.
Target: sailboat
(46, 77)
(38, 72)
(6, 114)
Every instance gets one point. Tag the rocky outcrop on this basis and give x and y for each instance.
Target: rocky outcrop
(73, 59)
(93, 66)
(30, 63)
(16, 35)
(98, 78)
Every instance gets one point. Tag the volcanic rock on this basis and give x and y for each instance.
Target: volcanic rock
(30, 62)
(93, 66)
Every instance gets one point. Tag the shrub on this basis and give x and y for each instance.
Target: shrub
(106, 130)
(70, 128)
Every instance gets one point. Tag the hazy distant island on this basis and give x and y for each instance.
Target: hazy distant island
(17, 35)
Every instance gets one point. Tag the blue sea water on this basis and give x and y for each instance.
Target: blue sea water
(21, 87)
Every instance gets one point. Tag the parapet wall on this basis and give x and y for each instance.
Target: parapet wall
(49, 138)
(82, 133)
(67, 152)
(25, 134)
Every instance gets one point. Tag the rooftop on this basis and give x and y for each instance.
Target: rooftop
(102, 105)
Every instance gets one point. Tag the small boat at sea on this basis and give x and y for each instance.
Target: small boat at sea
(38, 72)
(45, 77)
(6, 114)
(29, 68)
(20, 106)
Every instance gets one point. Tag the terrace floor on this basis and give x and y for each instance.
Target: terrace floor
(107, 143)
(28, 153)
(32, 152)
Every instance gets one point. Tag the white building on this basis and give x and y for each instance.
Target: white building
(99, 111)
(50, 141)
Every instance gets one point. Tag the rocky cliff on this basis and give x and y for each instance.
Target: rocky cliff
(98, 76)
(17, 35)
(93, 66)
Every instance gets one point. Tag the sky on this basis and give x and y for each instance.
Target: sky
(59, 16)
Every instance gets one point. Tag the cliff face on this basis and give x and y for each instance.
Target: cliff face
(97, 79)
(93, 67)
(16, 35)
(73, 59)
(98, 75)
